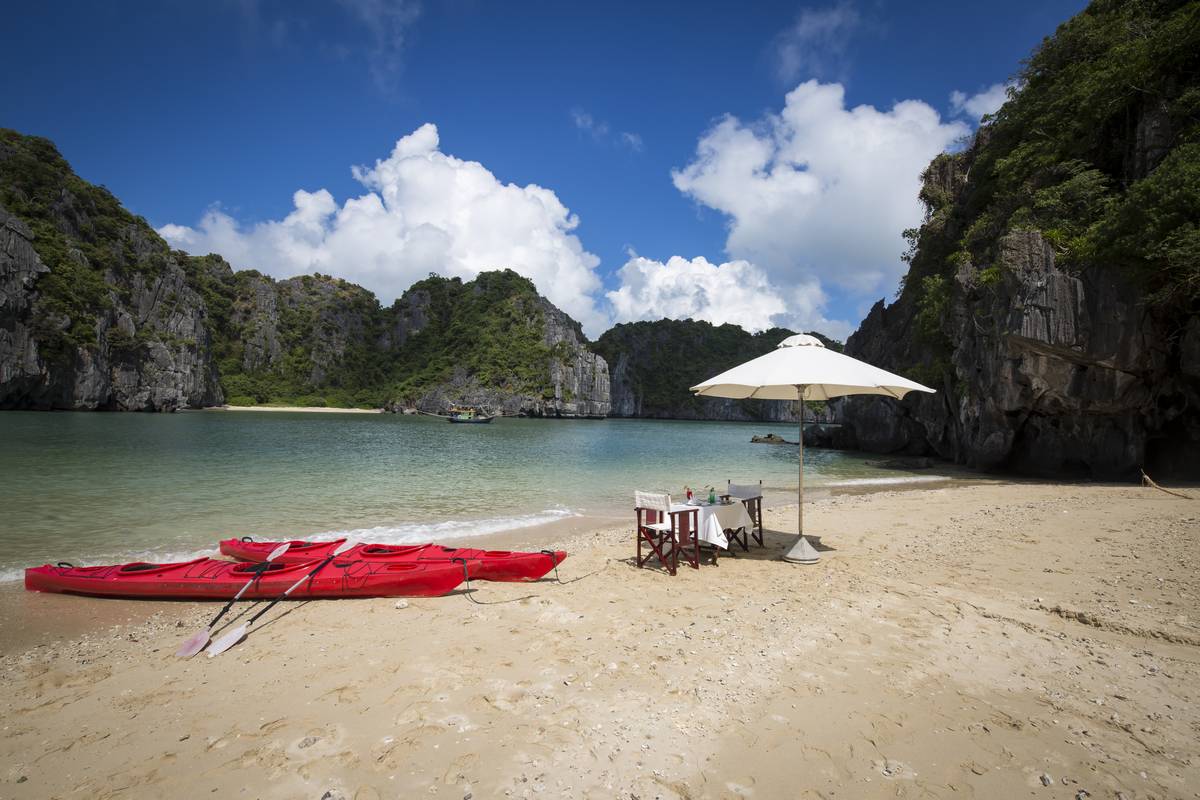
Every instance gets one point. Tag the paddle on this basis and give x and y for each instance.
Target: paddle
(237, 634)
(195, 643)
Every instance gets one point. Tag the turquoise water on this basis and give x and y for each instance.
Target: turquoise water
(95, 488)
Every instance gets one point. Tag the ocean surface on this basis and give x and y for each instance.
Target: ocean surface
(93, 488)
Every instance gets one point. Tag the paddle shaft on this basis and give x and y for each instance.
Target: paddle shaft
(293, 588)
(257, 574)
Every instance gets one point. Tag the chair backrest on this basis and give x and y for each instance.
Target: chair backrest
(745, 491)
(654, 501)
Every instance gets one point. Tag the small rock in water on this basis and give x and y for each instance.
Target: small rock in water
(1046, 779)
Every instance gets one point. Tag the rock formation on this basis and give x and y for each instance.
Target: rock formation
(652, 364)
(143, 344)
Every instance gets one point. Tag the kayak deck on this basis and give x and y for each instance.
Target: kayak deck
(213, 579)
(487, 565)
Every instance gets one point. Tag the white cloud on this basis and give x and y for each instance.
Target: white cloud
(984, 102)
(736, 292)
(600, 131)
(819, 191)
(815, 44)
(586, 123)
(387, 23)
(425, 211)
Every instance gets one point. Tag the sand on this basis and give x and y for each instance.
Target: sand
(971, 642)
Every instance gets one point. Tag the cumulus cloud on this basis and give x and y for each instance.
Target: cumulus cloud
(735, 292)
(815, 44)
(819, 191)
(984, 102)
(424, 211)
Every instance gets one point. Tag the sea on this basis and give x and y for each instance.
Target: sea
(100, 488)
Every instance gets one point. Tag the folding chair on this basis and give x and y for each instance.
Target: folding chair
(751, 497)
(660, 529)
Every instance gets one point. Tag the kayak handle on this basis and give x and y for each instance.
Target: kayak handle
(65, 565)
(247, 538)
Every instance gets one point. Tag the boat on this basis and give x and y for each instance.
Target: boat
(487, 565)
(468, 414)
(214, 579)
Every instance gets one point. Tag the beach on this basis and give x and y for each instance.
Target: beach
(991, 640)
(299, 409)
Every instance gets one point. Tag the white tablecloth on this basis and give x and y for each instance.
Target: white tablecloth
(713, 520)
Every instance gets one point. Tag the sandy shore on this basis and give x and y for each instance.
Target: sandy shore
(301, 409)
(972, 641)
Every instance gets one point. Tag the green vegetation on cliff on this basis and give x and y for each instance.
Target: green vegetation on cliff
(491, 328)
(1099, 150)
(656, 362)
(80, 232)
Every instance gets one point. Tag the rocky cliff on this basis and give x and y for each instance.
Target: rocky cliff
(654, 363)
(494, 342)
(1053, 291)
(95, 311)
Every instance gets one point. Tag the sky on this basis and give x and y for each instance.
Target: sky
(752, 163)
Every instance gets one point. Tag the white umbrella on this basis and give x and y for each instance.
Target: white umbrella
(801, 368)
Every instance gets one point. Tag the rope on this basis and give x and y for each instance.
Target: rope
(553, 557)
(466, 579)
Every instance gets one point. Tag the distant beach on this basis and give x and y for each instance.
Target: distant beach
(301, 409)
(999, 640)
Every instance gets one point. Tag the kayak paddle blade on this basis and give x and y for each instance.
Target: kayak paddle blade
(278, 551)
(344, 546)
(192, 645)
(227, 641)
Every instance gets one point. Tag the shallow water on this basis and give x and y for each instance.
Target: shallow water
(94, 487)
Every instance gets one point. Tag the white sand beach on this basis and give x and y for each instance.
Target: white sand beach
(998, 640)
(300, 409)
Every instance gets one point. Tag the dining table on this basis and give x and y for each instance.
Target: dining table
(714, 519)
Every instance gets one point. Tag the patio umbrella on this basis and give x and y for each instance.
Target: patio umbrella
(801, 368)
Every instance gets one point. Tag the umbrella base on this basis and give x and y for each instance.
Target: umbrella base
(802, 553)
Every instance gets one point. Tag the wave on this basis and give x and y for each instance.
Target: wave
(885, 481)
(404, 533)
(419, 532)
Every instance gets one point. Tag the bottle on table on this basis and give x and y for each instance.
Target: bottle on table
(712, 495)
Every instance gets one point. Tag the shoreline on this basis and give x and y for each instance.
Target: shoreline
(297, 409)
(975, 637)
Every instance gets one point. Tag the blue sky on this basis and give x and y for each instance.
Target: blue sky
(637, 160)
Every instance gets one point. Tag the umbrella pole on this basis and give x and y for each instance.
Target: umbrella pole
(801, 552)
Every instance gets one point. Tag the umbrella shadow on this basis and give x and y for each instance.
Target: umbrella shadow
(775, 544)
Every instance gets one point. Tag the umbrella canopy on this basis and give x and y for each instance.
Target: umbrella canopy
(802, 360)
(801, 368)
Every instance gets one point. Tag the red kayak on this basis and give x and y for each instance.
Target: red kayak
(213, 579)
(487, 565)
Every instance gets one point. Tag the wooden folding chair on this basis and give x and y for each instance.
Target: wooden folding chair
(687, 540)
(659, 529)
(751, 497)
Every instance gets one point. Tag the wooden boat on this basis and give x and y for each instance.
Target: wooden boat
(468, 414)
